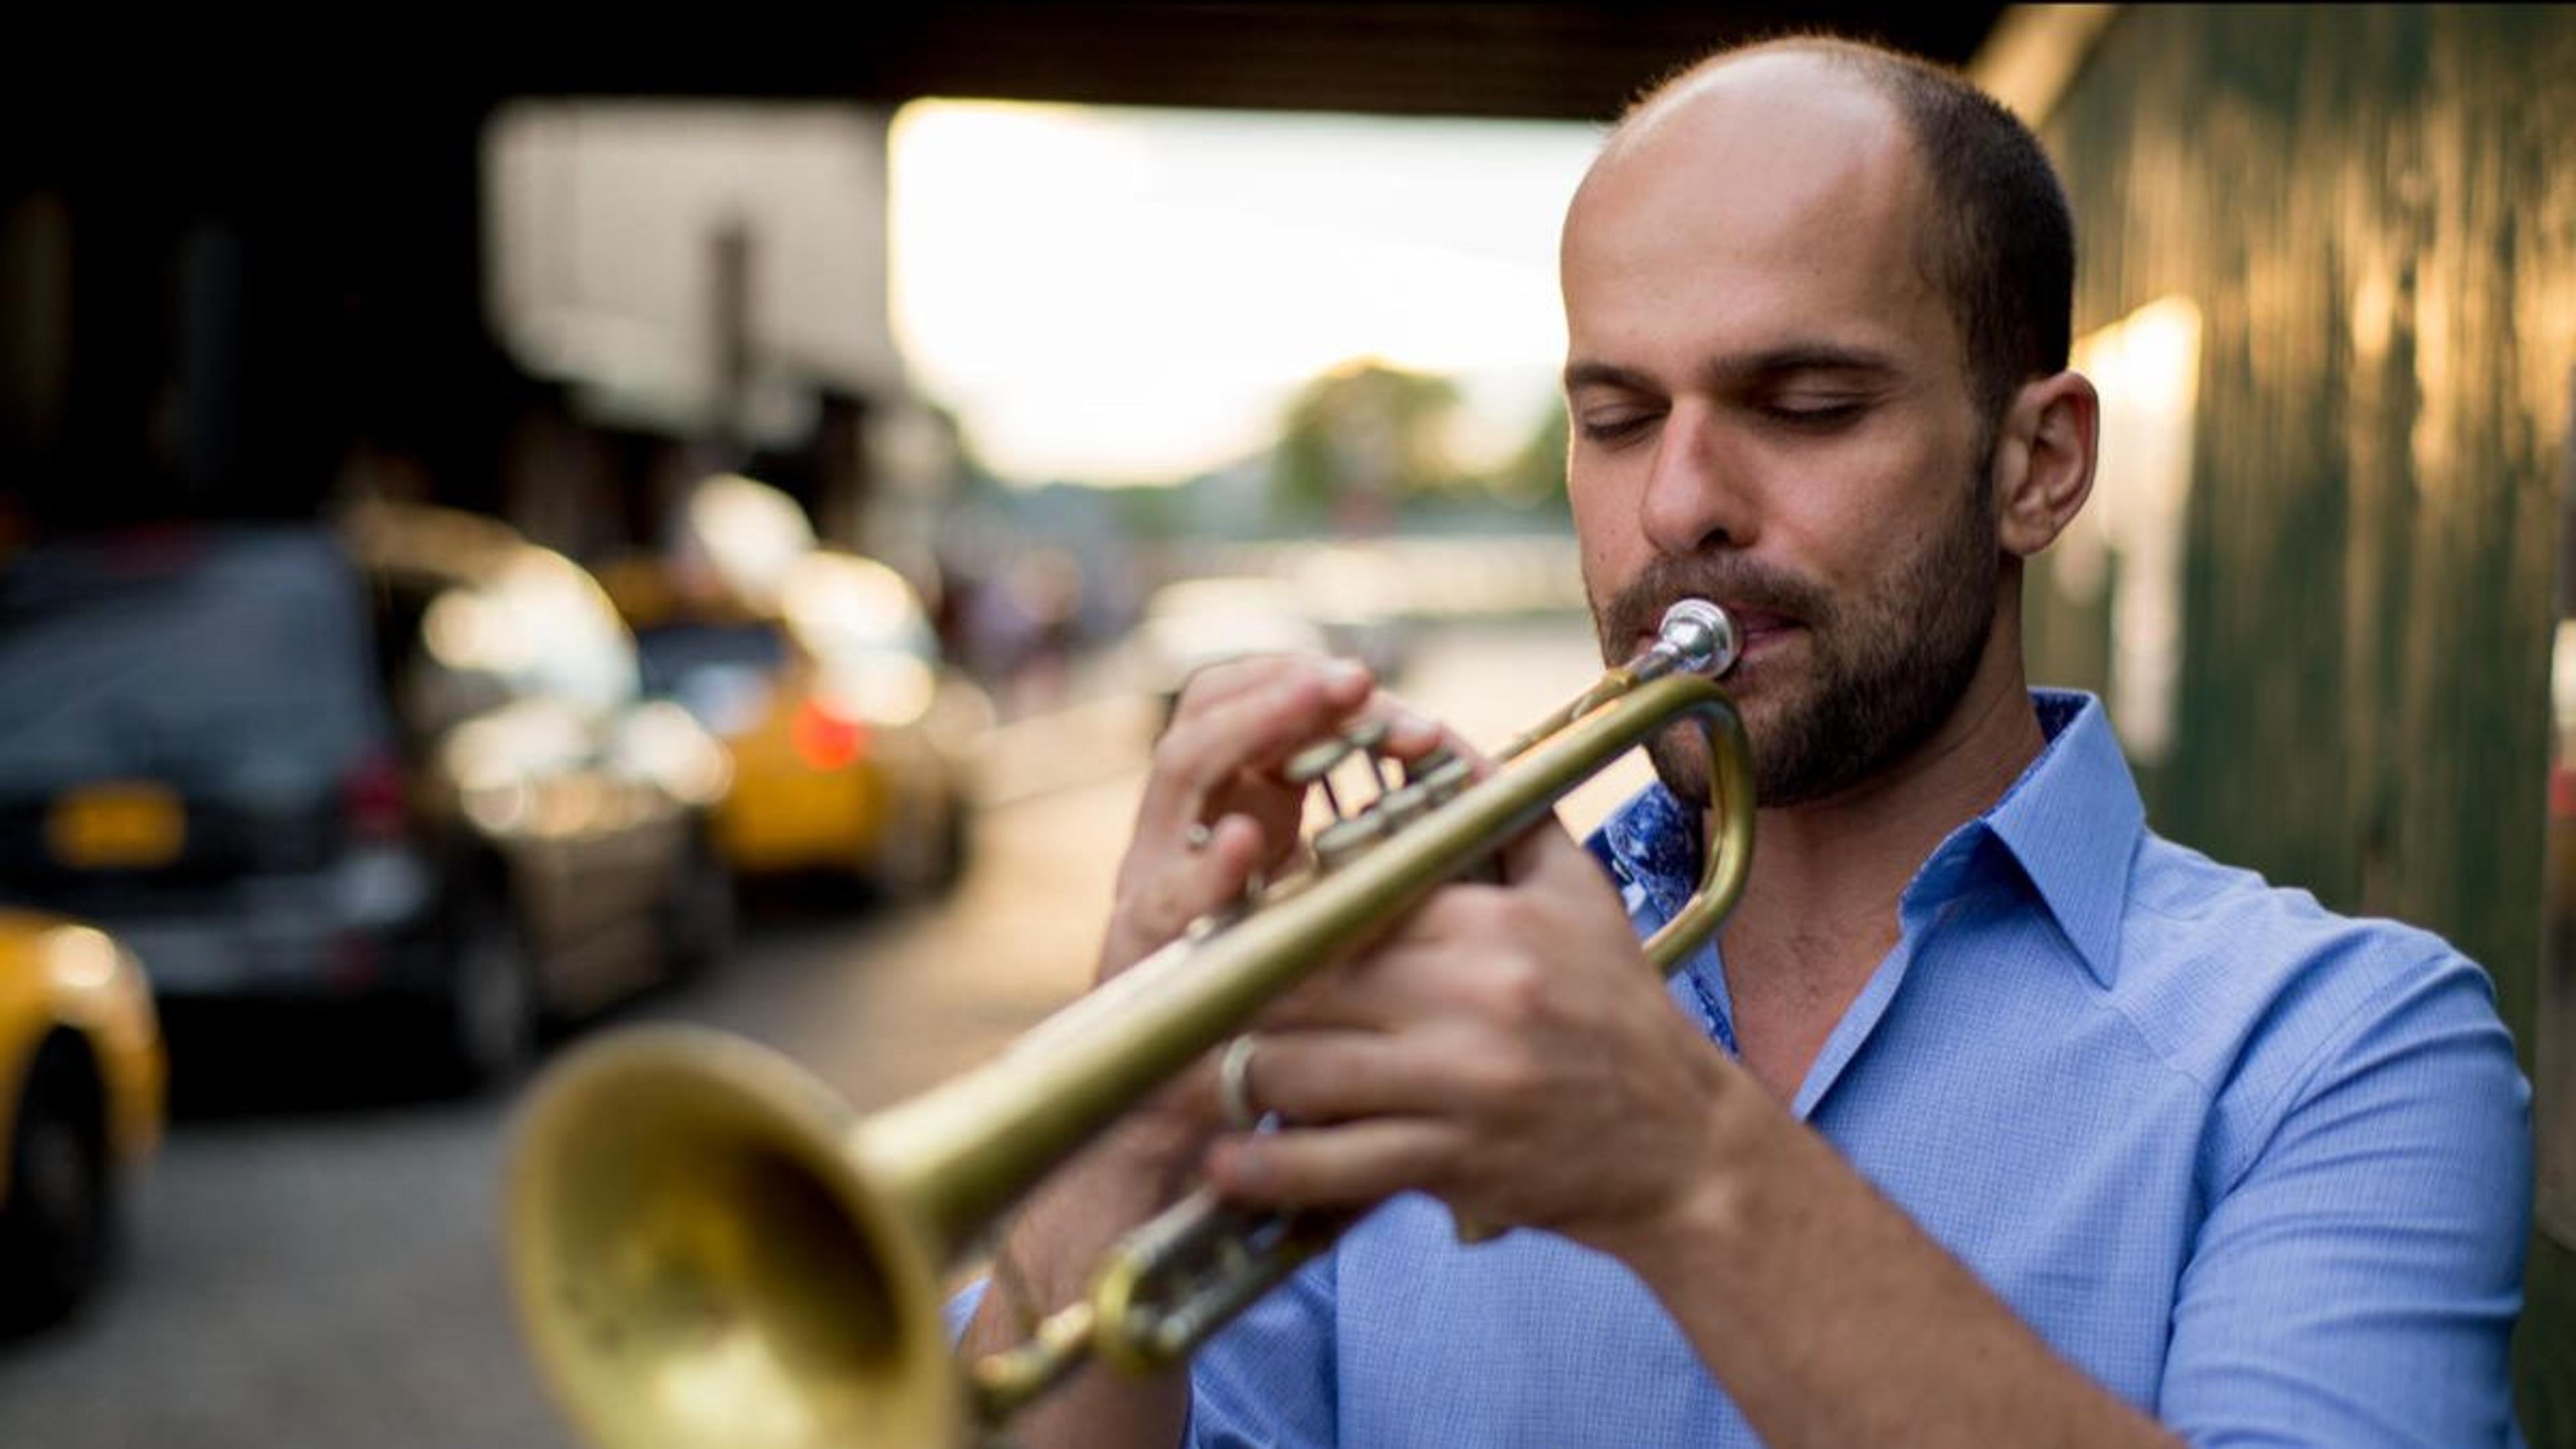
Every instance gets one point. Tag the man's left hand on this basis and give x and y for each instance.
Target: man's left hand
(1507, 1049)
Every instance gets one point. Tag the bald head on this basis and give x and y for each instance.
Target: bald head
(1796, 86)
(1776, 128)
(1929, 156)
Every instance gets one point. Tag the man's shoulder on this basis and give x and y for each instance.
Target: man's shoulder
(2254, 988)
(2189, 912)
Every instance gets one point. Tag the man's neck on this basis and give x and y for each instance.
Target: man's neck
(1819, 906)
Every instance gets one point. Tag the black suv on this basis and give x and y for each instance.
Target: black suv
(401, 761)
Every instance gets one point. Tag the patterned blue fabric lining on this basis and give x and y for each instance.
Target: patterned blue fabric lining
(1651, 848)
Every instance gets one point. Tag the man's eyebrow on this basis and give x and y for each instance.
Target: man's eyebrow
(1740, 368)
(1796, 357)
(1583, 372)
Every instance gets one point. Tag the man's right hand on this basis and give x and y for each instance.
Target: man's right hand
(1215, 806)
(1217, 816)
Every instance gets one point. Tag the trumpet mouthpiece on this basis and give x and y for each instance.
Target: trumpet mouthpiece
(1701, 636)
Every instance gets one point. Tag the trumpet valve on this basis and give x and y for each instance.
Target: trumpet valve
(1314, 765)
(1428, 783)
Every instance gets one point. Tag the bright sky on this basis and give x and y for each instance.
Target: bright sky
(1131, 295)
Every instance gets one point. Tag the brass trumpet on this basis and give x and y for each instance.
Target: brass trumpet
(709, 1248)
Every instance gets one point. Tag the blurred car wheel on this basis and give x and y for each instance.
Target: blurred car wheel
(703, 912)
(930, 856)
(956, 842)
(486, 1021)
(55, 1232)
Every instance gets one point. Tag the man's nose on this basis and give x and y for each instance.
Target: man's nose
(1694, 500)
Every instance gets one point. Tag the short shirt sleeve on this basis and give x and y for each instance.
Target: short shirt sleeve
(2357, 1277)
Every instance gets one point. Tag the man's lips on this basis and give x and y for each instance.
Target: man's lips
(1755, 630)
(1754, 627)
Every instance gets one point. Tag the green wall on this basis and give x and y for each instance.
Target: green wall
(2375, 211)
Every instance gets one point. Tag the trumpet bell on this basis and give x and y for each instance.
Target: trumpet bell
(702, 1261)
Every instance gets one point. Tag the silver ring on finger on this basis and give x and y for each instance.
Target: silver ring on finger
(1234, 1084)
(1198, 837)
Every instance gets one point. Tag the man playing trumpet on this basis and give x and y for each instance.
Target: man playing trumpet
(1990, 1118)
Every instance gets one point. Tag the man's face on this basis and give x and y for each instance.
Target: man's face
(1771, 409)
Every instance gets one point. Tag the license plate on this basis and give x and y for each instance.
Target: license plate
(131, 825)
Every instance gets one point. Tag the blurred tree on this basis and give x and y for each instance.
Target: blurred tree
(1535, 475)
(1357, 442)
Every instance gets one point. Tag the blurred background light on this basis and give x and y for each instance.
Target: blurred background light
(2147, 368)
(1124, 295)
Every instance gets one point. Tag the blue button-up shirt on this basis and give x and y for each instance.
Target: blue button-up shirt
(2262, 1170)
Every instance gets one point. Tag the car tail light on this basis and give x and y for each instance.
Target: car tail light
(371, 799)
(825, 740)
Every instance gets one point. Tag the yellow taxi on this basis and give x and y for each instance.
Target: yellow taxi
(850, 738)
(81, 1081)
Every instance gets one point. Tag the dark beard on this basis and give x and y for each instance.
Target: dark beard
(1884, 672)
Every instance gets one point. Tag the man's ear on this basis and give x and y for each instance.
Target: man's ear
(2043, 462)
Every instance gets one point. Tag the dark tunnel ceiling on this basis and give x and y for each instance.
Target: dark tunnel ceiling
(1536, 61)
(1533, 60)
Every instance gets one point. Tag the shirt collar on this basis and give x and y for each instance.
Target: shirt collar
(2071, 823)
